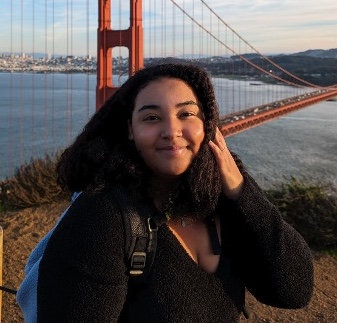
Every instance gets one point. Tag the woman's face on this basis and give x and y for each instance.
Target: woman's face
(167, 127)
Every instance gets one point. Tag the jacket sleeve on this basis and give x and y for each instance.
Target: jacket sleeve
(272, 257)
(82, 272)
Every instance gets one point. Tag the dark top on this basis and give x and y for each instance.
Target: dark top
(82, 272)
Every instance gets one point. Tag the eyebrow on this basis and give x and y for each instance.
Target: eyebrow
(178, 105)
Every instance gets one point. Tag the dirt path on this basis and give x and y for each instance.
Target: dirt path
(23, 230)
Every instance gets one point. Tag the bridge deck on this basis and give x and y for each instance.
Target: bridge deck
(235, 123)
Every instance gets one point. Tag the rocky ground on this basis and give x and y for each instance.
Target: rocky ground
(22, 231)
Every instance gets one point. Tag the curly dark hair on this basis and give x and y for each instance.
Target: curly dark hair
(103, 155)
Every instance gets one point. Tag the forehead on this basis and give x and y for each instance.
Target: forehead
(165, 87)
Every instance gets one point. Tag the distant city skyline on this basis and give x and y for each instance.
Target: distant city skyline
(62, 27)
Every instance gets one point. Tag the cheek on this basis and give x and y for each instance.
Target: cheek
(199, 134)
(143, 138)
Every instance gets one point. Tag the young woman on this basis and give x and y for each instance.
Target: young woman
(158, 138)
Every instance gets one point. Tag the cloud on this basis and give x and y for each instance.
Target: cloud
(279, 25)
(270, 26)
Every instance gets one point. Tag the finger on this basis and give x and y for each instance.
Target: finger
(219, 140)
(216, 149)
(231, 177)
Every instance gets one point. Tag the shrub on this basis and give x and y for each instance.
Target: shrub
(33, 184)
(311, 208)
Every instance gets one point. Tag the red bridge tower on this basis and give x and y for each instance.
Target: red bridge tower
(132, 38)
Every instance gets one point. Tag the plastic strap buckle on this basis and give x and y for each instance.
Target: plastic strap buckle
(138, 260)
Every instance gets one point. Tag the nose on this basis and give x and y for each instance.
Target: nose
(171, 128)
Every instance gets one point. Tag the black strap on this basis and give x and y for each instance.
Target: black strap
(142, 250)
(8, 290)
(213, 235)
(140, 230)
(245, 311)
(217, 250)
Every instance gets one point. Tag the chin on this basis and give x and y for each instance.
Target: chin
(170, 176)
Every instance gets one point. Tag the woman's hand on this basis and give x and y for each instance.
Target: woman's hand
(232, 179)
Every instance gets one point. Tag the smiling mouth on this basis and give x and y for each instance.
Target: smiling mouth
(172, 148)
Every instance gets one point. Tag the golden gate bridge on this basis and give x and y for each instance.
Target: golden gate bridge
(237, 121)
(130, 35)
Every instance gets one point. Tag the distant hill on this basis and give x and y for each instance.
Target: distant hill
(319, 53)
(315, 66)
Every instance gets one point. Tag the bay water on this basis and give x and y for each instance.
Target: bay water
(43, 113)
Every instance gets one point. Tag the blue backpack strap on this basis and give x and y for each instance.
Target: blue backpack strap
(27, 293)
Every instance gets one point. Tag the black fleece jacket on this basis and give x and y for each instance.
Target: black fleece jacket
(82, 272)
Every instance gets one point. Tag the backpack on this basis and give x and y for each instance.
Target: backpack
(140, 230)
(140, 243)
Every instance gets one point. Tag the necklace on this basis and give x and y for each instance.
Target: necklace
(184, 221)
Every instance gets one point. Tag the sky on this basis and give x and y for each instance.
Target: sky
(284, 25)
(69, 26)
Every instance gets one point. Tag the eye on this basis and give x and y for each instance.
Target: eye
(187, 114)
(151, 118)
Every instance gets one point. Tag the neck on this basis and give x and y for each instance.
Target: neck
(163, 181)
(161, 190)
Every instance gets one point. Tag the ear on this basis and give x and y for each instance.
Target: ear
(130, 133)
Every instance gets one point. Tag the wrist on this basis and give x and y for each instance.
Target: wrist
(234, 190)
